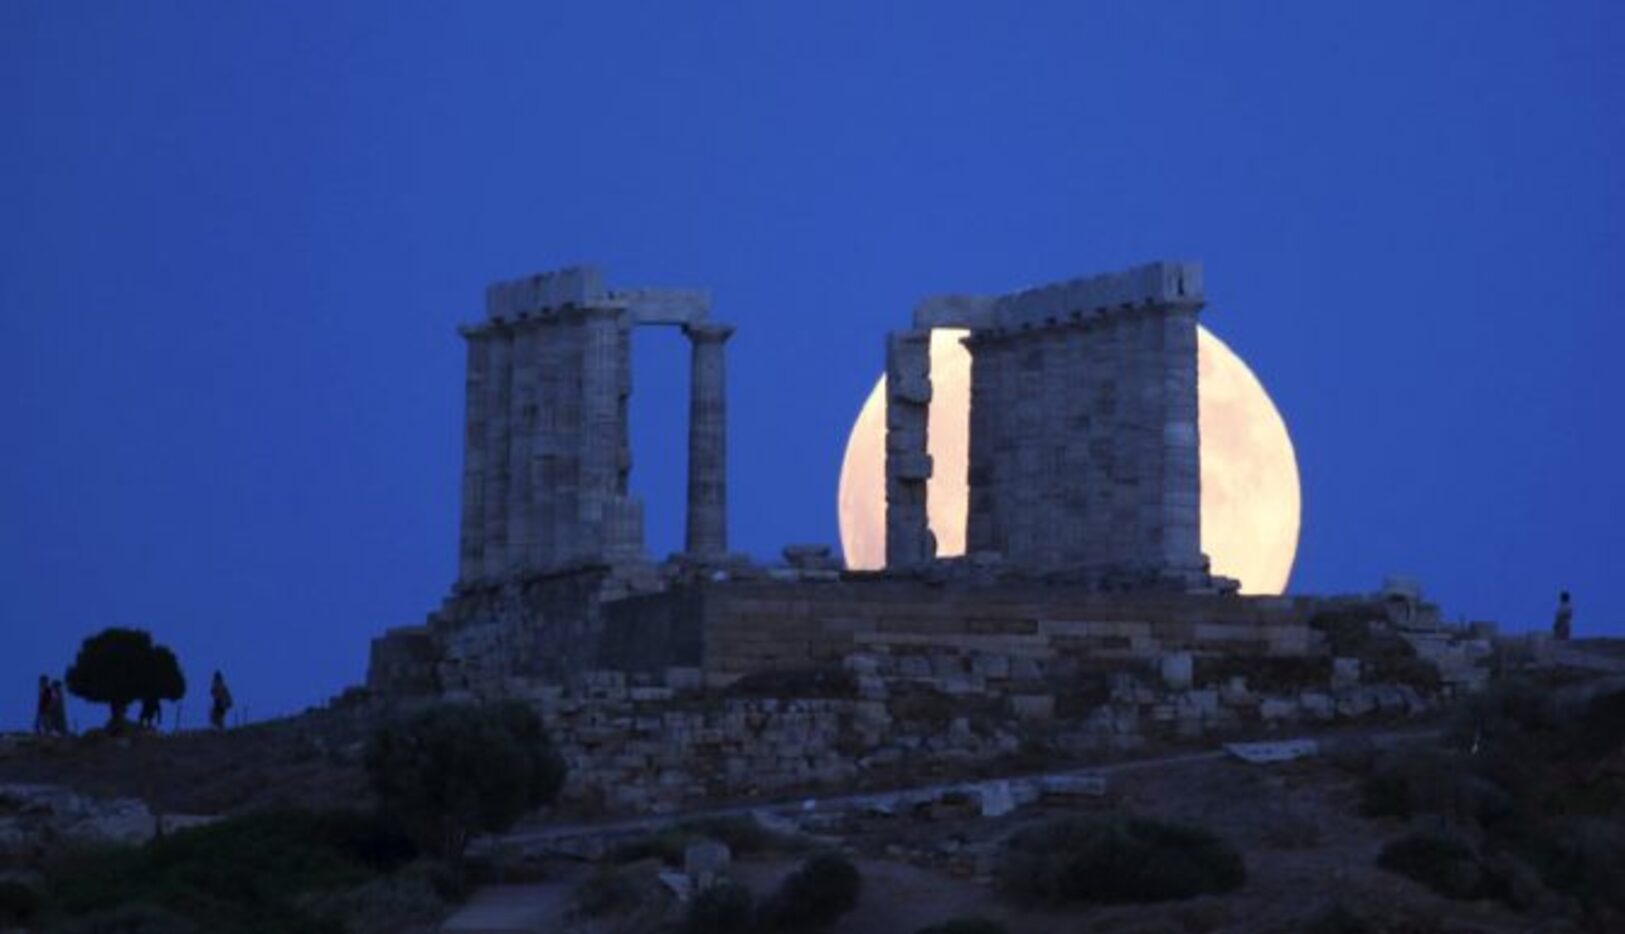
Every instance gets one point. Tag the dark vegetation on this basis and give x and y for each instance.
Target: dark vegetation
(119, 667)
(18, 903)
(724, 908)
(964, 926)
(441, 775)
(813, 897)
(1526, 798)
(1443, 862)
(265, 872)
(456, 770)
(1117, 859)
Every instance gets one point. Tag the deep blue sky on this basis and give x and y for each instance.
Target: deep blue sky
(235, 240)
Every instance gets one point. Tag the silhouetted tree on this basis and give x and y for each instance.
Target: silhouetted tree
(460, 769)
(118, 667)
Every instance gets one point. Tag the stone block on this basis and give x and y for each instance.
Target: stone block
(1177, 670)
(1033, 706)
(1345, 672)
(1316, 704)
(1275, 709)
(705, 861)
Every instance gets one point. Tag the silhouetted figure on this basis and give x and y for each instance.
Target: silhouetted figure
(219, 701)
(42, 707)
(59, 709)
(150, 714)
(1563, 622)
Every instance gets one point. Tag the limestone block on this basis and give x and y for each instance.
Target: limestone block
(1275, 709)
(1033, 706)
(1177, 670)
(1345, 672)
(997, 798)
(685, 679)
(1067, 788)
(1234, 692)
(1316, 704)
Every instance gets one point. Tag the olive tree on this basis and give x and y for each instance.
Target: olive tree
(118, 667)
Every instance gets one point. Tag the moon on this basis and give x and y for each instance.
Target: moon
(1251, 500)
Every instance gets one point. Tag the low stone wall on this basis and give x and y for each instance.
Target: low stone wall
(635, 745)
(754, 626)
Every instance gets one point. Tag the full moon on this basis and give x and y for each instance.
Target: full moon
(1251, 503)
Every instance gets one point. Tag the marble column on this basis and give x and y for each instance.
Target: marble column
(707, 533)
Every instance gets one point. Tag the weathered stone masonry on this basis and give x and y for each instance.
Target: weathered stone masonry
(546, 453)
(1084, 448)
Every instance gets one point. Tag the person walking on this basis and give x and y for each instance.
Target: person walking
(1563, 622)
(219, 701)
(59, 709)
(42, 707)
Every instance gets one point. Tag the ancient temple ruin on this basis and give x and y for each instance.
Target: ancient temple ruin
(1084, 446)
(1082, 616)
(545, 450)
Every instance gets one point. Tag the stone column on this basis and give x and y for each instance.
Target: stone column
(471, 545)
(1181, 473)
(909, 542)
(707, 533)
(498, 435)
(601, 428)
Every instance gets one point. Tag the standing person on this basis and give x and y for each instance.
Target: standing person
(1563, 622)
(42, 707)
(220, 701)
(149, 714)
(59, 709)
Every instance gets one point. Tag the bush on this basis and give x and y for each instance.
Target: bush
(136, 918)
(620, 891)
(258, 872)
(724, 908)
(964, 926)
(118, 667)
(814, 896)
(1117, 860)
(1433, 783)
(19, 902)
(1336, 918)
(1583, 857)
(1442, 862)
(455, 770)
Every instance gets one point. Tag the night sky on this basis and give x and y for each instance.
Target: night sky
(236, 239)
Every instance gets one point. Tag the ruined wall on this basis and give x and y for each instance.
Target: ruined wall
(1084, 448)
(764, 625)
(546, 451)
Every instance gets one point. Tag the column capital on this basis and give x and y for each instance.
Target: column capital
(707, 331)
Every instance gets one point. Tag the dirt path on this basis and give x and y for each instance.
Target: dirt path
(545, 839)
